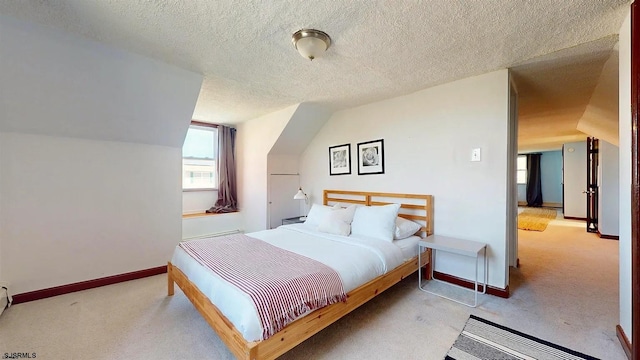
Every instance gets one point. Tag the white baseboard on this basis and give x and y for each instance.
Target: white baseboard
(544, 204)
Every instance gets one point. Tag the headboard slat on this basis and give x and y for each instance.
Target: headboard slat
(415, 207)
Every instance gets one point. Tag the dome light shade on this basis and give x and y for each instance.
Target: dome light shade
(311, 43)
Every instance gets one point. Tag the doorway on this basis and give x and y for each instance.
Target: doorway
(592, 185)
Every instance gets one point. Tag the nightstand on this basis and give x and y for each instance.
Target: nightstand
(468, 248)
(294, 220)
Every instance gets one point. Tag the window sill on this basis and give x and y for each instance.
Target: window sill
(199, 190)
(197, 215)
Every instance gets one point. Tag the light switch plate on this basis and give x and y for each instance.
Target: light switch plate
(475, 154)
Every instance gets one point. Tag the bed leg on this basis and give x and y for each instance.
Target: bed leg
(170, 283)
(426, 272)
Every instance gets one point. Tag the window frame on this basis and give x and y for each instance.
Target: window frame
(519, 170)
(212, 127)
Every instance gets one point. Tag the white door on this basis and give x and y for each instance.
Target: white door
(282, 188)
(575, 179)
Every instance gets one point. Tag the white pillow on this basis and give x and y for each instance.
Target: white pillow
(338, 222)
(318, 213)
(405, 228)
(375, 221)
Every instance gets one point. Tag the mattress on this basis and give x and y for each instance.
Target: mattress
(357, 260)
(408, 246)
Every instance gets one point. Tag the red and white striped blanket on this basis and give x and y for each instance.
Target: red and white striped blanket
(283, 285)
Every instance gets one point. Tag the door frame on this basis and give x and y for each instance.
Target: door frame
(592, 185)
(635, 183)
(512, 183)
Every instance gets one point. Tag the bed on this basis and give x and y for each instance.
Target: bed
(359, 288)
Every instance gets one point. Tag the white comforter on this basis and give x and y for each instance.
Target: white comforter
(356, 260)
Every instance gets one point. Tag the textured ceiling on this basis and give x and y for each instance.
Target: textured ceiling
(380, 49)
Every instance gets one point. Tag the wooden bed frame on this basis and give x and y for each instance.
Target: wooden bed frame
(414, 207)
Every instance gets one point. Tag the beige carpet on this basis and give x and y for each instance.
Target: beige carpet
(535, 219)
(565, 291)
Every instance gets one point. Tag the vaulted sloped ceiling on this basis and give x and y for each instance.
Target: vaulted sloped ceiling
(60, 84)
(600, 118)
(303, 126)
(554, 91)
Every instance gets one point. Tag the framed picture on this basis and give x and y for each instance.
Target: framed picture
(340, 159)
(371, 157)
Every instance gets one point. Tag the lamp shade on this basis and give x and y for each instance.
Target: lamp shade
(300, 195)
(311, 43)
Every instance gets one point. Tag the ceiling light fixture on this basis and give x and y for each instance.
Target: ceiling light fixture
(311, 43)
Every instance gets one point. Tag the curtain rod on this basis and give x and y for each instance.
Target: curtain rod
(206, 124)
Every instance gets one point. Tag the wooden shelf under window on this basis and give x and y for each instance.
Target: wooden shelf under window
(202, 214)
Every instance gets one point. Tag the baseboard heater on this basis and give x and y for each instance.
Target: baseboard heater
(221, 233)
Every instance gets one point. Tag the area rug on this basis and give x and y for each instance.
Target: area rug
(535, 219)
(483, 339)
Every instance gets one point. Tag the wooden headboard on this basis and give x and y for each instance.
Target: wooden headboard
(414, 207)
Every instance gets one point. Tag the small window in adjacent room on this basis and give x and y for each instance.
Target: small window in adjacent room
(522, 169)
(200, 158)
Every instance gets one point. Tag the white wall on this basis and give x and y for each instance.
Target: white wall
(198, 201)
(608, 189)
(90, 152)
(428, 138)
(75, 209)
(625, 176)
(575, 179)
(2, 230)
(211, 225)
(254, 141)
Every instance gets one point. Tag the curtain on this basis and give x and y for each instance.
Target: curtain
(228, 187)
(534, 183)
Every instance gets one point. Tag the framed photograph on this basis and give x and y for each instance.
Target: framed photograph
(340, 159)
(371, 157)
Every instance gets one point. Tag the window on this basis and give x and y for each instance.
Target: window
(200, 158)
(522, 169)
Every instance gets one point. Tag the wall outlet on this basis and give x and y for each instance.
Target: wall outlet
(475, 154)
